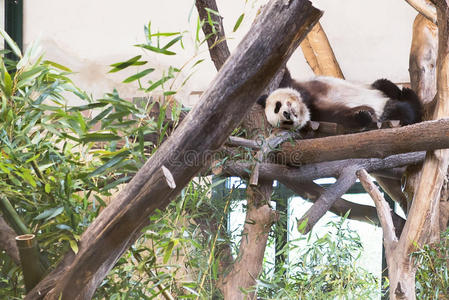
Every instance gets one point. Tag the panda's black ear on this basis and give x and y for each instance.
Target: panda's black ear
(262, 100)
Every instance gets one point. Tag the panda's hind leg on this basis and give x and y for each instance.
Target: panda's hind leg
(388, 88)
(357, 117)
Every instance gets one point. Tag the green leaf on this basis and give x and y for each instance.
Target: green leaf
(73, 246)
(99, 137)
(8, 85)
(109, 164)
(47, 188)
(49, 213)
(100, 115)
(56, 65)
(86, 107)
(302, 225)
(138, 75)
(239, 21)
(172, 42)
(130, 62)
(156, 49)
(11, 43)
(158, 83)
(168, 250)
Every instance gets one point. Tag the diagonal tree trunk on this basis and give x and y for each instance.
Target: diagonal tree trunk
(273, 38)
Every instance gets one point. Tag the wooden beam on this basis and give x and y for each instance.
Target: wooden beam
(428, 135)
(319, 54)
(426, 8)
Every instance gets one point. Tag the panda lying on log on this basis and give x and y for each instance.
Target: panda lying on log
(329, 99)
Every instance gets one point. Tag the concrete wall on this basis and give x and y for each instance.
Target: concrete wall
(371, 39)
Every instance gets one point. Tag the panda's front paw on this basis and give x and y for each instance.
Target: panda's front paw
(365, 117)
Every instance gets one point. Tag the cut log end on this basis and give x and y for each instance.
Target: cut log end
(169, 178)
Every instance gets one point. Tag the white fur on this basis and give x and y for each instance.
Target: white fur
(291, 102)
(352, 94)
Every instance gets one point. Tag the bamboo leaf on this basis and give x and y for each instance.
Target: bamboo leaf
(172, 42)
(112, 162)
(8, 85)
(138, 75)
(56, 65)
(156, 49)
(130, 62)
(73, 246)
(239, 21)
(99, 137)
(11, 43)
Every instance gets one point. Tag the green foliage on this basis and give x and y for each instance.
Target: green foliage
(432, 279)
(325, 268)
(176, 252)
(59, 163)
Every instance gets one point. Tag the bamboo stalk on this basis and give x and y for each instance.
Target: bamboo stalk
(10, 214)
(32, 269)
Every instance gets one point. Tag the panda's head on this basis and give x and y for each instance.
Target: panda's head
(284, 108)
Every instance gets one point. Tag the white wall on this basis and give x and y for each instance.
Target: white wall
(371, 39)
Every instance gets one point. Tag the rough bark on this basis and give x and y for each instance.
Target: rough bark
(218, 47)
(7, 241)
(363, 213)
(423, 221)
(276, 33)
(344, 182)
(246, 268)
(428, 135)
(422, 68)
(422, 61)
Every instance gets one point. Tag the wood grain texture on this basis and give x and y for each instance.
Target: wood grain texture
(426, 8)
(319, 54)
(218, 47)
(428, 135)
(7, 241)
(277, 32)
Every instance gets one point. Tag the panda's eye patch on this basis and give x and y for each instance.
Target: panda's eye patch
(278, 107)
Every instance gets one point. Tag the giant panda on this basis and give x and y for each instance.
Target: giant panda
(350, 104)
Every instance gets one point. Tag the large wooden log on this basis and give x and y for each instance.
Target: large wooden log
(428, 135)
(7, 241)
(319, 54)
(426, 8)
(422, 224)
(271, 41)
(216, 39)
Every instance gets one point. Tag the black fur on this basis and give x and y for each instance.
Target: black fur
(388, 88)
(404, 105)
(278, 107)
(262, 100)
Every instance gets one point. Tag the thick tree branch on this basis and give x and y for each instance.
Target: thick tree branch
(363, 213)
(344, 182)
(269, 171)
(383, 209)
(218, 47)
(426, 8)
(319, 54)
(428, 135)
(422, 224)
(232, 92)
(247, 266)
